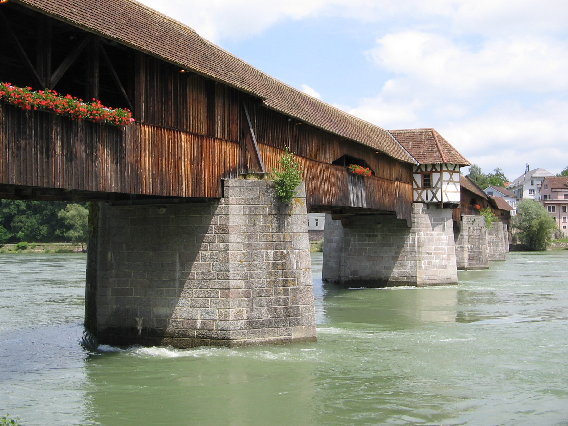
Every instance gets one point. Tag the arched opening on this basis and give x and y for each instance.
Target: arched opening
(347, 160)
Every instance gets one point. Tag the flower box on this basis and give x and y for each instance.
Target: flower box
(359, 170)
(69, 106)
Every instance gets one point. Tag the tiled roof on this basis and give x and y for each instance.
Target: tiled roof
(531, 173)
(467, 184)
(141, 28)
(556, 182)
(501, 203)
(427, 146)
(503, 191)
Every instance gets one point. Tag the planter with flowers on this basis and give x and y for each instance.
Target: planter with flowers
(49, 100)
(359, 170)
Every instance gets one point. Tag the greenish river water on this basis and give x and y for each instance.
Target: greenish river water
(492, 350)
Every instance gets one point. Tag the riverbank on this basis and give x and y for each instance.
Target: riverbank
(21, 248)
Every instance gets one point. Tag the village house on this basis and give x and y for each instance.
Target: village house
(507, 195)
(555, 200)
(529, 184)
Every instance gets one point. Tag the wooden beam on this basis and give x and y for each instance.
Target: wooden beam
(67, 62)
(44, 50)
(115, 77)
(254, 143)
(140, 87)
(20, 49)
(93, 64)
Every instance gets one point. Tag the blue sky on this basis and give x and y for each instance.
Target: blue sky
(490, 75)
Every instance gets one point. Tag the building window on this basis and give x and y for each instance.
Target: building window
(532, 182)
(563, 219)
(563, 209)
(316, 222)
(545, 197)
(566, 196)
(531, 191)
(427, 180)
(551, 209)
(545, 186)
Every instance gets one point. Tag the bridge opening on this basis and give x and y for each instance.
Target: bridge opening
(347, 160)
(45, 53)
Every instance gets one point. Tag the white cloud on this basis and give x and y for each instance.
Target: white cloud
(434, 62)
(509, 135)
(310, 91)
(219, 19)
(229, 19)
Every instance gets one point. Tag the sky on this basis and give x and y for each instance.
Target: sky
(490, 75)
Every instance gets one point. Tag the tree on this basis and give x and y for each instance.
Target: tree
(563, 172)
(483, 180)
(30, 220)
(535, 225)
(497, 178)
(76, 219)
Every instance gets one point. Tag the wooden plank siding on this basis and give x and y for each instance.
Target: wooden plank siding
(42, 149)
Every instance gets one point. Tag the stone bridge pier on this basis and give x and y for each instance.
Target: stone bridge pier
(233, 271)
(380, 250)
(477, 244)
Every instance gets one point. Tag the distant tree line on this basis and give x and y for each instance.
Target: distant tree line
(43, 221)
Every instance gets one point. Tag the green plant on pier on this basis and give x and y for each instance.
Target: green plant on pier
(489, 216)
(287, 179)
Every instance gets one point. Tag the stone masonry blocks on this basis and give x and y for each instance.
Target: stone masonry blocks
(228, 272)
(380, 250)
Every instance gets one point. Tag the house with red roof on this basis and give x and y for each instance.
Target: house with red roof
(554, 193)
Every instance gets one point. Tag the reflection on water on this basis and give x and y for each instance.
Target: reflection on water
(492, 350)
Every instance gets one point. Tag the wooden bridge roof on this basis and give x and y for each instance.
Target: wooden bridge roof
(139, 27)
(427, 146)
(469, 185)
(501, 203)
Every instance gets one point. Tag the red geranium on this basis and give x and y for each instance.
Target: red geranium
(359, 170)
(67, 105)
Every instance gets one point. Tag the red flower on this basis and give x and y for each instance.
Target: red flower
(69, 105)
(359, 170)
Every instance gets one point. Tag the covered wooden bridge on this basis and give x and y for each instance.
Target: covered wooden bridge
(201, 115)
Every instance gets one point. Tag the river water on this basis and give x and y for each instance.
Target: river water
(492, 350)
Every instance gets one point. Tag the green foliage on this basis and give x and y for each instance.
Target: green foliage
(34, 221)
(76, 217)
(287, 178)
(483, 180)
(563, 172)
(21, 246)
(7, 421)
(489, 216)
(535, 225)
(4, 235)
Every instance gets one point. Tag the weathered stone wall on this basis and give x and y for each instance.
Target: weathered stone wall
(380, 250)
(229, 272)
(472, 243)
(497, 241)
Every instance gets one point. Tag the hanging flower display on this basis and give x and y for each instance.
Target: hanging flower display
(359, 170)
(69, 106)
(477, 206)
